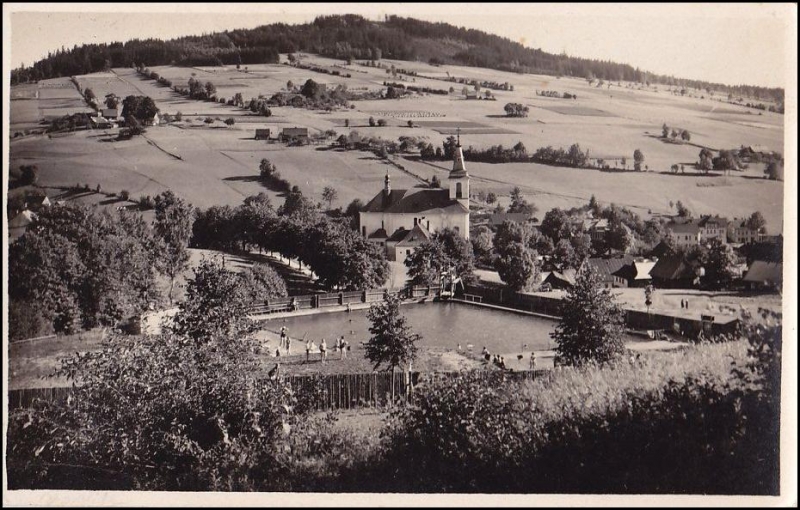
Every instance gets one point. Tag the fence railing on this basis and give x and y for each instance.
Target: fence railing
(634, 319)
(338, 299)
(335, 391)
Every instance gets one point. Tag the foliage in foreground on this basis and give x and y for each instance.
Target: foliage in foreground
(701, 421)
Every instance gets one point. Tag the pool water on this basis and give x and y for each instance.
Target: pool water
(441, 325)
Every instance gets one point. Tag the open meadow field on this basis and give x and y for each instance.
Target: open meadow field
(210, 164)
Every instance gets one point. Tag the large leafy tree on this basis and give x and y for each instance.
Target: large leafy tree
(591, 324)
(718, 261)
(445, 249)
(44, 272)
(139, 107)
(392, 342)
(79, 265)
(215, 306)
(516, 265)
(214, 228)
(342, 258)
(557, 225)
(519, 204)
(756, 221)
(173, 225)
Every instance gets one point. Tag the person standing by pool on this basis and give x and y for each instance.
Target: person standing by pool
(343, 346)
(533, 360)
(288, 345)
(283, 336)
(309, 345)
(323, 350)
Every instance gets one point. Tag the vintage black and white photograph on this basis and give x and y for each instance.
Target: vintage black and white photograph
(399, 254)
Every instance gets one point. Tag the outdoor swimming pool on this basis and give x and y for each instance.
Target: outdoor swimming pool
(440, 324)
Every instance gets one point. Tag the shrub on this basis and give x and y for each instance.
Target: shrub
(667, 423)
(124, 194)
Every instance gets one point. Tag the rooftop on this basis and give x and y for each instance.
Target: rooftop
(414, 200)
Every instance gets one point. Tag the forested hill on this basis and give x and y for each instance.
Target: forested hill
(359, 38)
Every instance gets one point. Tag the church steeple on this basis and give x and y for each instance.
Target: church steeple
(459, 179)
(459, 170)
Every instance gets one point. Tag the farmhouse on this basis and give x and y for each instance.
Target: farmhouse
(560, 279)
(401, 219)
(614, 272)
(764, 275)
(296, 132)
(674, 272)
(262, 134)
(111, 113)
(153, 121)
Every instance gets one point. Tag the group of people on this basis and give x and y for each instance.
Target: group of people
(500, 361)
(341, 345)
(285, 346)
(685, 303)
(494, 358)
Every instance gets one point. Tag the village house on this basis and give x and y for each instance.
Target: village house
(111, 113)
(292, 133)
(673, 271)
(262, 134)
(713, 227)
(402, 219)
(741, 233)
(699, 231)
(764, 275)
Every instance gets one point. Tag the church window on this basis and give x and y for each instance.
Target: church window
(459, 193)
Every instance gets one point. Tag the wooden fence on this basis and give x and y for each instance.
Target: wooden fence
(327, 392)
(25, 397)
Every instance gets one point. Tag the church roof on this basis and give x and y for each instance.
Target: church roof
(414, 200)
(413, 237)
(379, 234)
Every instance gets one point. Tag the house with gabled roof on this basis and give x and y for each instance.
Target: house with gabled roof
(399, 219)
(684, 233)
(674, 271)
(764, 275)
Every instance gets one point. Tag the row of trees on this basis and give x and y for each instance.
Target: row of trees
(330, 247)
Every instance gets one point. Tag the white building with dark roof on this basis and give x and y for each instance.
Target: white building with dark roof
(401, 219)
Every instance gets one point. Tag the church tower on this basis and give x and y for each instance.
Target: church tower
(458, 178)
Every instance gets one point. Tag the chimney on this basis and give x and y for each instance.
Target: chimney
(387, 187)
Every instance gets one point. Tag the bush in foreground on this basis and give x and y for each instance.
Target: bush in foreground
(700, 421)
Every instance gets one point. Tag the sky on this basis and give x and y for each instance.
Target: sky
(726, 43)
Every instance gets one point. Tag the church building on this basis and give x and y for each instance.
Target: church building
(402, 219)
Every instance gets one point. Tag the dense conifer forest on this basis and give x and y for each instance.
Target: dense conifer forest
(354, 37)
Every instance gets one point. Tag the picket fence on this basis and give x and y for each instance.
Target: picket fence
(329, 392)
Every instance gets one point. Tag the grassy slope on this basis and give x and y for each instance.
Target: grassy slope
(626, 120)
